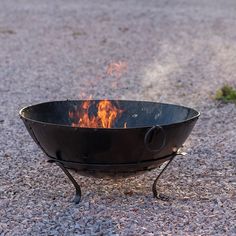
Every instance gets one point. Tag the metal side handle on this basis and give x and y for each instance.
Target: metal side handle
(149, 133)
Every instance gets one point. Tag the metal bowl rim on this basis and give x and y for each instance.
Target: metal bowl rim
(112, 100)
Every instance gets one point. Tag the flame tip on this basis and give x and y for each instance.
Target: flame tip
(105, 118)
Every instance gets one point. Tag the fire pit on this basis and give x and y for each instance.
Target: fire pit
(103, 138)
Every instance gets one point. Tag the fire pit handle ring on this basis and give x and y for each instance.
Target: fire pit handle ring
(147, 137)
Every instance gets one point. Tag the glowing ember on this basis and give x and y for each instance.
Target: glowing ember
(105, 117)
(117, 69)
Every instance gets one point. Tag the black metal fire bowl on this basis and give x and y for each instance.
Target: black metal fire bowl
(153, 135)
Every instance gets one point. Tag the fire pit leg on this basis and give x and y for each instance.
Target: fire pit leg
(77, 187)
(154, 186)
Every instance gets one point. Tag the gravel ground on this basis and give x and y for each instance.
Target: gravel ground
(176, 51)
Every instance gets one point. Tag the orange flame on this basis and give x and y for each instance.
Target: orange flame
(105, 118)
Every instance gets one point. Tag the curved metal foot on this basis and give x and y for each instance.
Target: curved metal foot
(161, 196)
(77, 197)
(154, 186)
(76, 185)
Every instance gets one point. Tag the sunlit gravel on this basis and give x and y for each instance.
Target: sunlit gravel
(176, 51)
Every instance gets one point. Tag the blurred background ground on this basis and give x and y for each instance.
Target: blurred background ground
(176, 51)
